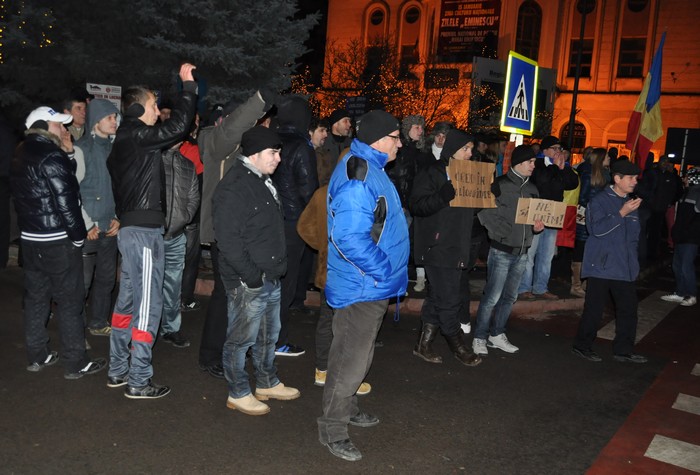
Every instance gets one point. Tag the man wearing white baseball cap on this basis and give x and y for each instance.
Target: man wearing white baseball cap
(47, 200)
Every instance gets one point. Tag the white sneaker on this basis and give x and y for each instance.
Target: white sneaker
(466, 328)
(420, 284)
(479, 347)
(501, 342)
(672, 298)
(689, 301)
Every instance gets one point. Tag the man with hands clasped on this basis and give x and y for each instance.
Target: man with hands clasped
(611, 265)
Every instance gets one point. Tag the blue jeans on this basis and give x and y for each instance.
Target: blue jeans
(253, 321)
(684, 269)
(172, 283)
(503, 275)
(539, 262)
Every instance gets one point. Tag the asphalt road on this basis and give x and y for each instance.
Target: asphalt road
(542, 410)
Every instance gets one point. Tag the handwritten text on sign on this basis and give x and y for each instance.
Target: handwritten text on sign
(550, 212)
(472, 182)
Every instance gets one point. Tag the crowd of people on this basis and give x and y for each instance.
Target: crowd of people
(271, 189)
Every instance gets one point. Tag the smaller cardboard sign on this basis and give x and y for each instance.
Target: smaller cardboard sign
(472, 182)
(550, 212)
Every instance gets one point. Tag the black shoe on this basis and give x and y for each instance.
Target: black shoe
(176, 339)
(94, 366)
(190, 306)
(345, 449)
(289, 350)
(590, 355)
(630, 358)
(216, 370)
(152, 391)
(362, 419)
(37, 366)
(117, 381)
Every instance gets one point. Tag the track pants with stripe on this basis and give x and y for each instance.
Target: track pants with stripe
(139, 306)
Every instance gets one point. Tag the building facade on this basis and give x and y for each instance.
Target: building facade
(618, 38)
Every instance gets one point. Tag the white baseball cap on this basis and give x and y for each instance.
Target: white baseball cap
(47, 114)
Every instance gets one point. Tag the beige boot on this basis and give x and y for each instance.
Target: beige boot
(576, 287)
(248, 405)
(280, 392)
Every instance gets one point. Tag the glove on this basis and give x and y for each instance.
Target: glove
(447, 192)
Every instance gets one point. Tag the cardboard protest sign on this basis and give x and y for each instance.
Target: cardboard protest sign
(550, 212)
(472, 182)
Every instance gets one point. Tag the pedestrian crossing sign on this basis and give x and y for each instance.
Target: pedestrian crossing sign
(518, 115)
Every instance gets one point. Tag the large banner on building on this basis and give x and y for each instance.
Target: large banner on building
(468, 28)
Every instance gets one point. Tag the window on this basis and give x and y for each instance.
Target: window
(633, 39)
(584, 11)
(527, 39)
(410, 32)
(579, 139)
(376, 25)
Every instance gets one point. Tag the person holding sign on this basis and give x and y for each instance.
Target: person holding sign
(442, 245)
(508, 253)
(611, 265)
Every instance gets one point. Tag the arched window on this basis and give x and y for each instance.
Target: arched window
(587, 8)
(410, 32)
(527, 38)
(579, 139)
(633, 39)
(377, 23)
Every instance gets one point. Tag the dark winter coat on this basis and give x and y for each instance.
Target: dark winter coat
(136, 167)
(402, 171)
(296, 177)
(686, 229)
(45, 190)
(442, 235)
(249, 228)
(551, 181)
(181, 192)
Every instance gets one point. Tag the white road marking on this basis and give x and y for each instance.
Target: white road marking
(650, 312)
(687, 403)
(674, 452)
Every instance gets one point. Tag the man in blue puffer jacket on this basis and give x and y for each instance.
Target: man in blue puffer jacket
(367, 265)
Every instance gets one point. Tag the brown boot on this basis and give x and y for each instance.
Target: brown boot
(462, 353)
(576, 287)
(424, 348)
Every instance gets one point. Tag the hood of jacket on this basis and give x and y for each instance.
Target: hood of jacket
(365, 151)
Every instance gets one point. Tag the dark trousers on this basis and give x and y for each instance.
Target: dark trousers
(54, 270)
(4, 221)
(305, 270)
(624, 296)
(447, 299)
(193, 254)
(295, 253)
(355, 328)
(324, 333)
(216, 320)
(99, 277)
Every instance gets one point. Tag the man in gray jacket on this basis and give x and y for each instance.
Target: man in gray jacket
(100, 249)
(508, 253)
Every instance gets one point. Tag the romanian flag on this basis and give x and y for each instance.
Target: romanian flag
(645, 126)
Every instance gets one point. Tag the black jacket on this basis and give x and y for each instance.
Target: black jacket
(45, 189)
(296, 177)
(551, 181)
(135, 164)
(442, 235)
(181, 192)
(402, 171)
(249, 229)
